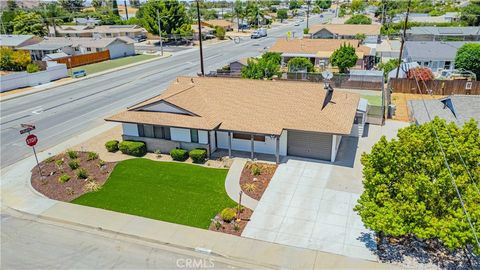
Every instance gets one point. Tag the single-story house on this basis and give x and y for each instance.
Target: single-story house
(237, 65)
(388, 49)
(104, 31)
(118, 47)
(227, 25)
(87, 21)
(437, 55)
(434, 33)
(320, 50)
(427, 18)
(17, 41)
(346, 31)
(454, 108)
(271, 117)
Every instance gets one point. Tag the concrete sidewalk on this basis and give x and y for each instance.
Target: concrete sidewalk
(232, 184)
(17, 193)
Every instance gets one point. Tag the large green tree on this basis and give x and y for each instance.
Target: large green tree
(359, 19)
(344, 58)
(239, 12)
(323, 4)
(115, 8)
(173, 17)
(408, 188)
(471, 13)
(8, 14)
(265, 67)
(29, 23)
(468, 57)
(282, 14)
(300, 64)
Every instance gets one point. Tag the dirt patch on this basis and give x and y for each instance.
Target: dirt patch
(52, 170)
(400, 100)
(234, 227)
(255, 178)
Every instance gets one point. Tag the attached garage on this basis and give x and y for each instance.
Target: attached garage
(309, 144)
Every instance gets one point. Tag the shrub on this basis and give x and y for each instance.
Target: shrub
(359, 19)
(64, 178)
(236, 227)
(305, 30)
(82, 173)
(300, 64)
(250, 187)
(73, 164)
(91, 186)
(179, 154)
(218, 225)
(112, 146)
(59, 163)
(101, 163)
(32, 68)
(158, 153)
(133, 148)
(256, 170)
(50, 159)
(198, 155)
(92, 156)
(72, 154)
(220, 32)
(228, 214)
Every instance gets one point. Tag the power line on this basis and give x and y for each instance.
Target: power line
(462, 203)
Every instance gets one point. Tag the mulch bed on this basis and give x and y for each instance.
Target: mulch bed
(260, 181)
(50, 185)
(230, 227)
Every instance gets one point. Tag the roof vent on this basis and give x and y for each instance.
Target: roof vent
(191, 79)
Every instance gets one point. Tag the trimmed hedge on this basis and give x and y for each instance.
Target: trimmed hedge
(133, 148)
(112, 146)
(198, 155)
(179, 154)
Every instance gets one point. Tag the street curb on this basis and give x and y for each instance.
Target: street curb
(237, 260)
(74, 80)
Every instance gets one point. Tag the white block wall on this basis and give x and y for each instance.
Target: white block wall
(267, 147)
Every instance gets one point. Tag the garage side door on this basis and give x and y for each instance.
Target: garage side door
(309, 145)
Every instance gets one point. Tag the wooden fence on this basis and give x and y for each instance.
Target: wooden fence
(437, 87)
(84, 59)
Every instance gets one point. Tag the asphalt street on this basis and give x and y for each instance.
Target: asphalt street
(62, 112)
(28, 244)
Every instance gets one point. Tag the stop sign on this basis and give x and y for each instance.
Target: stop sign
(31, 140)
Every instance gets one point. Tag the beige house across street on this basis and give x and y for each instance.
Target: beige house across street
(104, 31)
(346, 31)
(269, 117)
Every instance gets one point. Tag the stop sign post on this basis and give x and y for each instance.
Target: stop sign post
(32, 140)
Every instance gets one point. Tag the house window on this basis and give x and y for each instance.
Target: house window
(108, 34)
(148, 131)
(89, 49)
(244, 136)
(358, 119)
(98, 49)
(162, 132)
(447, 64)
(140, 130)
(194, 135)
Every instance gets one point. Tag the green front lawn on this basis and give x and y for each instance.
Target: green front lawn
(110, 64)
(174, 192)
(373, 100)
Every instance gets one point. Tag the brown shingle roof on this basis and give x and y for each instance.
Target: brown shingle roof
(254, 106)
(347, 29)
(310, 46)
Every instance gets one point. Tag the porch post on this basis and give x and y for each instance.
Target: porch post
(277, 149)
(252, 146)
(229, 144)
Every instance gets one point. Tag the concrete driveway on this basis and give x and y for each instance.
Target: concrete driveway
(309, 203)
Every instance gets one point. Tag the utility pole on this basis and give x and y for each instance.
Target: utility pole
(126, 9)
(403, 38)
(200, 38)
(308, 11)
(160, 33)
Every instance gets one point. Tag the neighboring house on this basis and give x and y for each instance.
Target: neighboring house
(388, 49)
(433, 33)
(320, 50)
(105, 31)
(118, 47)
(456, 108)
(426, 18)
(17, 41)
(227, 25)
(207, 32)
(237, 65)
(346, 31)
(270, 117)
(437, 55)
(86, 21)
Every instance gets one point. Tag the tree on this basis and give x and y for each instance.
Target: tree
(115, 8)
(468, 57)
(388, 66)
(253, 12)
(359, 19)
(239, 12)
(323, 4)
(357, 6)
(471, 14)
(135, 3)
(72, 5)
(344, 57)
(220, 32)
(282, 14)
(28, 23)
(408, 188)
(173, 17)
(316, 10)
(360, 36)
(263, 68)
(14, 60)
(300, 64)
(96, 4)
(51, 14)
